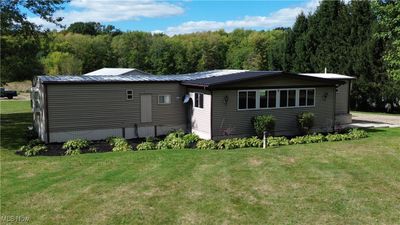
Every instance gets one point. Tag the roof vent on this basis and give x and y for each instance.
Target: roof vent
(325, 70)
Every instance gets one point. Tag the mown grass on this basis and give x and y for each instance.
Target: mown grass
(10, 106)
(351, 182)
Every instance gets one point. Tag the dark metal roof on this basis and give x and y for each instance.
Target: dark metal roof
(136, 78)
(213, 81)
(206, 79)
(248, 75)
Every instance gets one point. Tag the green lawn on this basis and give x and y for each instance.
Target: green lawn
(351, 182)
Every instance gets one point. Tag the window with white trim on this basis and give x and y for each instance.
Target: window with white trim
(267, 99)
(129, 94)
(164, 99)
(199, 100)
(276, 98)
(247, 99)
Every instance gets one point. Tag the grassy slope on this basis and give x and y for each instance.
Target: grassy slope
(353, 182)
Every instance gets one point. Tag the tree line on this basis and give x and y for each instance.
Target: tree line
(360, 39)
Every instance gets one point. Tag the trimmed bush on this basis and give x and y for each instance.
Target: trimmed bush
(264, 123)
(76, 144)
(277, 141)
(205, 144)
(120, 144)
(146, 146)
(305, 121)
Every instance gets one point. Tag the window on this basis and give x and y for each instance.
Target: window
(306, 97)
(199, 100)
(271, 99)
(164, 99)
(279, 98)
(247, 99)
(292, 98)
(263, 99)
(302, 98)
(129, 94)
(310, 97)
(283, 98)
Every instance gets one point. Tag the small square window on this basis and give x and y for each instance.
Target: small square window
(164, 99)
(129, 94)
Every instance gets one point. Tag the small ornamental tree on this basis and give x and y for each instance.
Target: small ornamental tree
(264, 123)
(305, 121)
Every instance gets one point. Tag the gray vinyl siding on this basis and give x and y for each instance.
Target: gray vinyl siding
(226, 117)
(75, 107)
(39, 112)
(342, 98)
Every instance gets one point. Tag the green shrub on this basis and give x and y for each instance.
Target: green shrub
(336, 137)
(177, 140)
(205, 144)
(34, 147)
(264, 123)
(119, 144)
(228, 143)
(315, 138)
(277, 141)
(305, 121)
(241, 142)
(73, 152)
(76, 144)
(357, 134)
(191, 139)
(92, 149)
(146, 146)
(176, 143)
(175, 134)
(32, 151)
(162, 145)
(254, 142)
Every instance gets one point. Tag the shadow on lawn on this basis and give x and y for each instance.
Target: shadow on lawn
(13, 129)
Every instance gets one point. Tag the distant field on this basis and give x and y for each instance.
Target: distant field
(349, 182)
(20, 86)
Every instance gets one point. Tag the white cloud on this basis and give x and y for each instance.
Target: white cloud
(112, 10)
(281, 18)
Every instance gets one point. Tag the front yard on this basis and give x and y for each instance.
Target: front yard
(349, 182)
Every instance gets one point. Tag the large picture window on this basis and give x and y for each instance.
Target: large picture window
(199, 100)
(276, 98)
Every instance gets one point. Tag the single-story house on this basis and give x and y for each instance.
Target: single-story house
(213, 104)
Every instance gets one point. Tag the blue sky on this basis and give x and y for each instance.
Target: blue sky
(179, 17)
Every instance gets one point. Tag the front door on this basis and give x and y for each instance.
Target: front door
(145, 109)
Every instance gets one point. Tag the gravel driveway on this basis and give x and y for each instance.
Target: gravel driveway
(359, 117)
